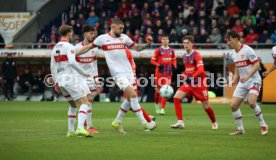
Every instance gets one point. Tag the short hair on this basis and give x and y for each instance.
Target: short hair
(65, 29)
(189, 38)
(233, 34)
(165, 35)
(88, 28)
(117, 22)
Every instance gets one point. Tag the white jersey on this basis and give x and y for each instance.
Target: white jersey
(114, 49)
(63, 63)
(244, 59)
(274, 52)
(88, 60)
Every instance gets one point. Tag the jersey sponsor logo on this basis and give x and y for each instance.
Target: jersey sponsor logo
(242, 63)
(85, 59)
(72, 51)
(190, 69)
(166, 59)
(114, 46)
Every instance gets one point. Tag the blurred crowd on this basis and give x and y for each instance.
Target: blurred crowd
(207, 21)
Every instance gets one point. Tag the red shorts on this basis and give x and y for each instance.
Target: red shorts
(200, 93)
(162, 80)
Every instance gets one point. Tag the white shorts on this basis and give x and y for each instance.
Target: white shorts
(76, 90)
(125, 80)
(250, 86)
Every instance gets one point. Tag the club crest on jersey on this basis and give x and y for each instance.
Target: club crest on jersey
(72, 51)
(242, 56)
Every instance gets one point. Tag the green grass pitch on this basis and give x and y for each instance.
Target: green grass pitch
(37, 131)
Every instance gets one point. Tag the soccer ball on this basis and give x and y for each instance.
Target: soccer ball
(166, 91)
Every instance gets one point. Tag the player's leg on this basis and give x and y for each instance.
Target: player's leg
(252, 101)
(211, 114)
(237, 115)
(131, 94)
(201, 94)
(117, 123)
(72, 111)
(157, 98)
(88, 122)
(182, 92)
(165, 81)
(82, 114)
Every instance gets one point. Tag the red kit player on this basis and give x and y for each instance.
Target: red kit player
(195, 84)
(164, 59)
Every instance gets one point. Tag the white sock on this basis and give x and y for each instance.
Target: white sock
(71, 118)
(125, 106)
(258, 112)
(82, 116)
(137, 109)
(238, 119)
(89, 116)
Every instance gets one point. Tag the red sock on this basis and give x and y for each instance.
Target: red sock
(178, 108)
(163, 101)
(157, 97)
(211, 114)
(146, 115)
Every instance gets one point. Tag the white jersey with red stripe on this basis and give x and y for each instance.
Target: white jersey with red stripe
(88, 60)
(65, 71)
(274, 52)
(114, 49)
(244, 60)
(63, 62)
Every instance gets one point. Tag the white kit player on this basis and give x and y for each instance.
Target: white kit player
(114, 46)
(273, 67)
(65, 71)
(248, 82)
(88, 62)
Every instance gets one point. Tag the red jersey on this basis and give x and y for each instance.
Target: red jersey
(165, 57)
(194, 66)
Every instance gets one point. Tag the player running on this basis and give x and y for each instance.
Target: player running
(164, 59)
(248, 82)
(114, 46)
(195, 84)
(88, 62)
(65, 71)
(273, 67)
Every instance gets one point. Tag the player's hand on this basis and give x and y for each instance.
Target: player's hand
(265, 73)
(244, 78)
(57, 89)
(99, 89)
(161, 67)
(149, 40)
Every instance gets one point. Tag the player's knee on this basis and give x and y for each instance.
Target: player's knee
(205, 104)
(90, 98)
(234, 106)
(252, 103)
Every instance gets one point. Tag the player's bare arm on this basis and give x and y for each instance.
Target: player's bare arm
(236, 76)
(85, 49)
(143, 46)
(254, 69)
(272, 68)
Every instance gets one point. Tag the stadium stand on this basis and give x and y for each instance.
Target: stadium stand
(254, 20)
